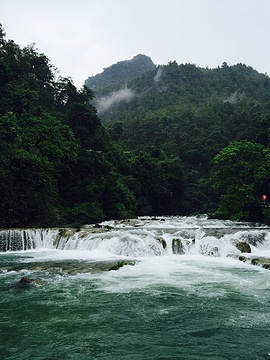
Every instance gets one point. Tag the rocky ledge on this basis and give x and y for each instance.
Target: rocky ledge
(71, 267)
(255, 260)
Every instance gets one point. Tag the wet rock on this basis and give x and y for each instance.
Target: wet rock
(88, 232)
(66, 232)
(120, 264)
(163, 242)
(26, 280)
(242, 258)
(243, 246)
(261, 261)
(63, 233)
(257, 261)
(108, 227)
(130, 222)
(73, 267)
(177, 246)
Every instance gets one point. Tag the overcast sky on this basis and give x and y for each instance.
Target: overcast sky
(81, 37)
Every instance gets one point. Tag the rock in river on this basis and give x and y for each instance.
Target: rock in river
(243, 246)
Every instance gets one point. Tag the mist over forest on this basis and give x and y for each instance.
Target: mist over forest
(137, 139)
(191, 114)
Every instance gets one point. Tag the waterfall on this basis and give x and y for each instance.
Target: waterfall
(146, 237)
(28, 239)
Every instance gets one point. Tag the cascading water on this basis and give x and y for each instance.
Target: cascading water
(180, 292)
(145, 237)
(16, 240)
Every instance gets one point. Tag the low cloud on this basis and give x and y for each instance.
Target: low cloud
(158, 75)
(234, 97)
(106, 102)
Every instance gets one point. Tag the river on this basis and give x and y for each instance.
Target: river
(182, 293)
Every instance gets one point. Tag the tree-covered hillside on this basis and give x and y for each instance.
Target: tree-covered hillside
(119, 73)
(58, 164)
(187, 140)
(191, 114)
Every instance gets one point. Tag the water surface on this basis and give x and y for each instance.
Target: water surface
(195, 305)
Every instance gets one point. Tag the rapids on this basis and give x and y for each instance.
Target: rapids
(181, 294)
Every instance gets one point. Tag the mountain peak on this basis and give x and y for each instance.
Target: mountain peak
(122, 71)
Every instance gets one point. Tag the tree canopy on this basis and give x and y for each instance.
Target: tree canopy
(241, 175)
(58, 163)
(190, 140)
(190, 114)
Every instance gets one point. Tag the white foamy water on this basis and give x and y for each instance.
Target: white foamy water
(143, 237)
(183, 293)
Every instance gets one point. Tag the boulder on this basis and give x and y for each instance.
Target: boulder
(120, 264)
(257, 261)
(242, 258)
(261, 261)
(26, 280)
(66, 232)
(243, 246)
(163, 242)
(177, 246)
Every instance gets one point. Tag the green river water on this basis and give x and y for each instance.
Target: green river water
(188, 306)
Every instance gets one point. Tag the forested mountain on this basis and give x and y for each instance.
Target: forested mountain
(58, 164)
(120, 73)
(190, 114)
(185, 140)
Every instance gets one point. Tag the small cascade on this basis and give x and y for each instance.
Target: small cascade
(198, 242)
(29, 239)
(135, 243)
(147, 237)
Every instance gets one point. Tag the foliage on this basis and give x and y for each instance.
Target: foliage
(120, 72)
(58, 164)
(241, 174)
(35, 152)
(191, 114)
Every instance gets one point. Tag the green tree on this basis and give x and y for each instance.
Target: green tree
(241, 174)
(84, 121)
(35, 153)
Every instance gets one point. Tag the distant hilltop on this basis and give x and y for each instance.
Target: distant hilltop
(121, 72)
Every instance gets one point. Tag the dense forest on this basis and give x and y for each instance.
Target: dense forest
(168, 150)
(190, 113)
(58, 163)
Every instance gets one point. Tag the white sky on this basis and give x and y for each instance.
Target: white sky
(81, 37)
